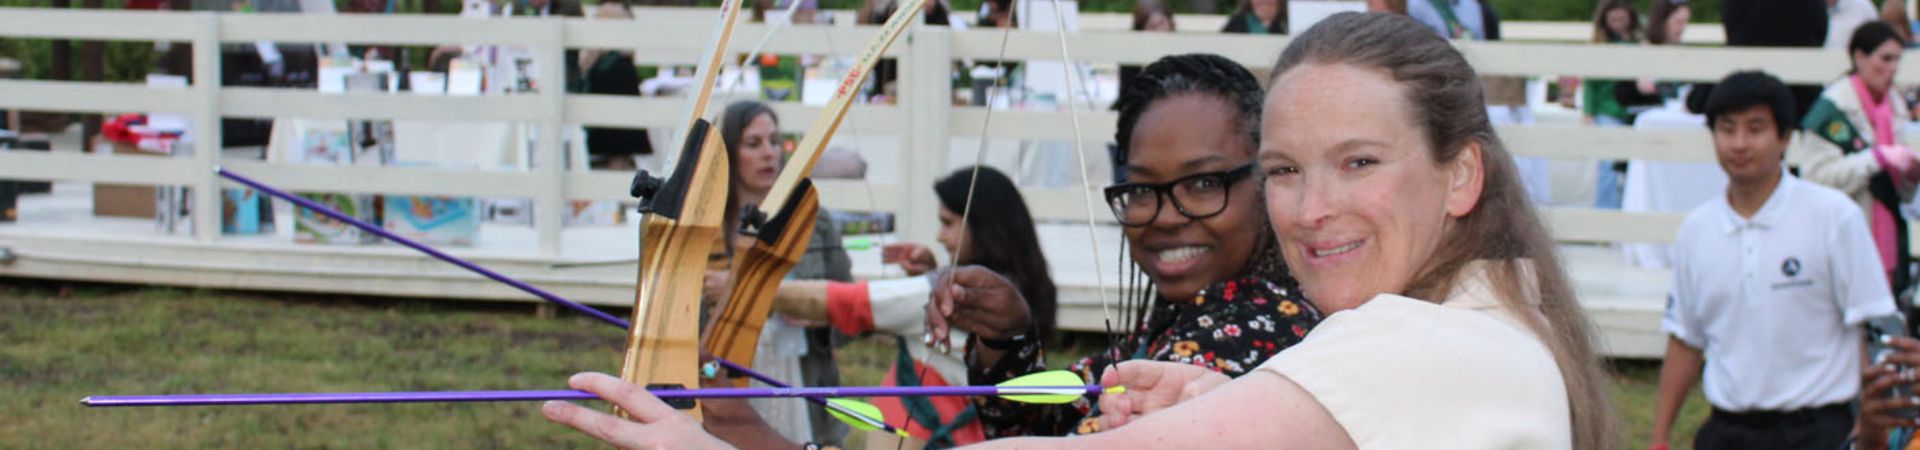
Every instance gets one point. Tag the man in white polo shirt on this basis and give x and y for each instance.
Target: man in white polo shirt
(1771, 284)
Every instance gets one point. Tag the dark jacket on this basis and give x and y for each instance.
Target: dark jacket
(1778, 23)
(613, 73)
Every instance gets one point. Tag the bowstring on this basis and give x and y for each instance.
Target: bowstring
(966, 209)
(1080, 151)
(1074, 84)
(752, 59)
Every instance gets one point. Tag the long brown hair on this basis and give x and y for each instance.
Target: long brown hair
(1279, 23)
(1002, 237)
(733, 128)
(1602, 35)
(1657, 16)
(1503, 228)
(1143, 11)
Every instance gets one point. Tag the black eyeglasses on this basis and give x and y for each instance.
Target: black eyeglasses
(1196, 196)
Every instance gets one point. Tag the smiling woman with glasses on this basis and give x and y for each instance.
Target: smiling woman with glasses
(1207, 285)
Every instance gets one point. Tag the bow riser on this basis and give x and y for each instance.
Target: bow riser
(777, 246)
(683, 222)
(663, 342)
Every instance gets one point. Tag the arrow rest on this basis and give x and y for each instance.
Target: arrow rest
(755, 222)
(666, 197)
(645, 185)
(751, 220)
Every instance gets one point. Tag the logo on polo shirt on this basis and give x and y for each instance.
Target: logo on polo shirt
(1791, 268)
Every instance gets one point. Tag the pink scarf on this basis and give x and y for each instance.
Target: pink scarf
(1880, 117)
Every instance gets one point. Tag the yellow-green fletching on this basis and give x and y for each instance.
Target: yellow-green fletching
(868, 415)
(857, 244)
(1048, 379)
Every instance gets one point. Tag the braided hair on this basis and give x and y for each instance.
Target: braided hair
(1192, 73)
(1171, 76)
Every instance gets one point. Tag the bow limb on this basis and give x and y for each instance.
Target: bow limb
(783, 226)
(683, 220)
(815, 140)
(716, 55)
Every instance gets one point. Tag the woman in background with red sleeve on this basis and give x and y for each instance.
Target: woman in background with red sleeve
(998, 234)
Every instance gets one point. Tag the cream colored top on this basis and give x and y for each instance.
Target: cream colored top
(1827, 164)
(1400, 373)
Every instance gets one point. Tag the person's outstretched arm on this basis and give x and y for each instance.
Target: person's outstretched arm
(1678, 374)
(1205, 422)
(1288, 418)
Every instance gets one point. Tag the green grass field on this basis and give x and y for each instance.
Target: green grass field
(60, 342)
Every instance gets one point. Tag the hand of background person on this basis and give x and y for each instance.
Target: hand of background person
(1899, 162)
(654, 426)
(1913, 165)
(1151, 386)
(1877, 406)
(1647, 86)
(1569, 88)
(978, 301)
(915, 258)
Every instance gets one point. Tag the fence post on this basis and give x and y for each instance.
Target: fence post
(550, 199)
(206, 128)
(928, 98)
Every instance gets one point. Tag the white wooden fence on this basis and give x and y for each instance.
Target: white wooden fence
(924, 120)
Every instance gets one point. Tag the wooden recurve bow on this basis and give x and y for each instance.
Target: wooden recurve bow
(683, 218)
(782, 227)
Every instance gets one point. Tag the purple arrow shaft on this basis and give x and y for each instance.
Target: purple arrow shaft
(496, 276)
(514, 396)
(344, 397)
(770, 381)
(455, 260)
(423, 248)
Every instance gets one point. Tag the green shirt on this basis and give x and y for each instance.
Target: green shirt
(1600, 98)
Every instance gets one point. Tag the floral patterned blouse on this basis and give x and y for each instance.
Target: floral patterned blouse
(1230, 327)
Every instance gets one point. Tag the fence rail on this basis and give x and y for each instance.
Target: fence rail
(669, 34)
(924, 121)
